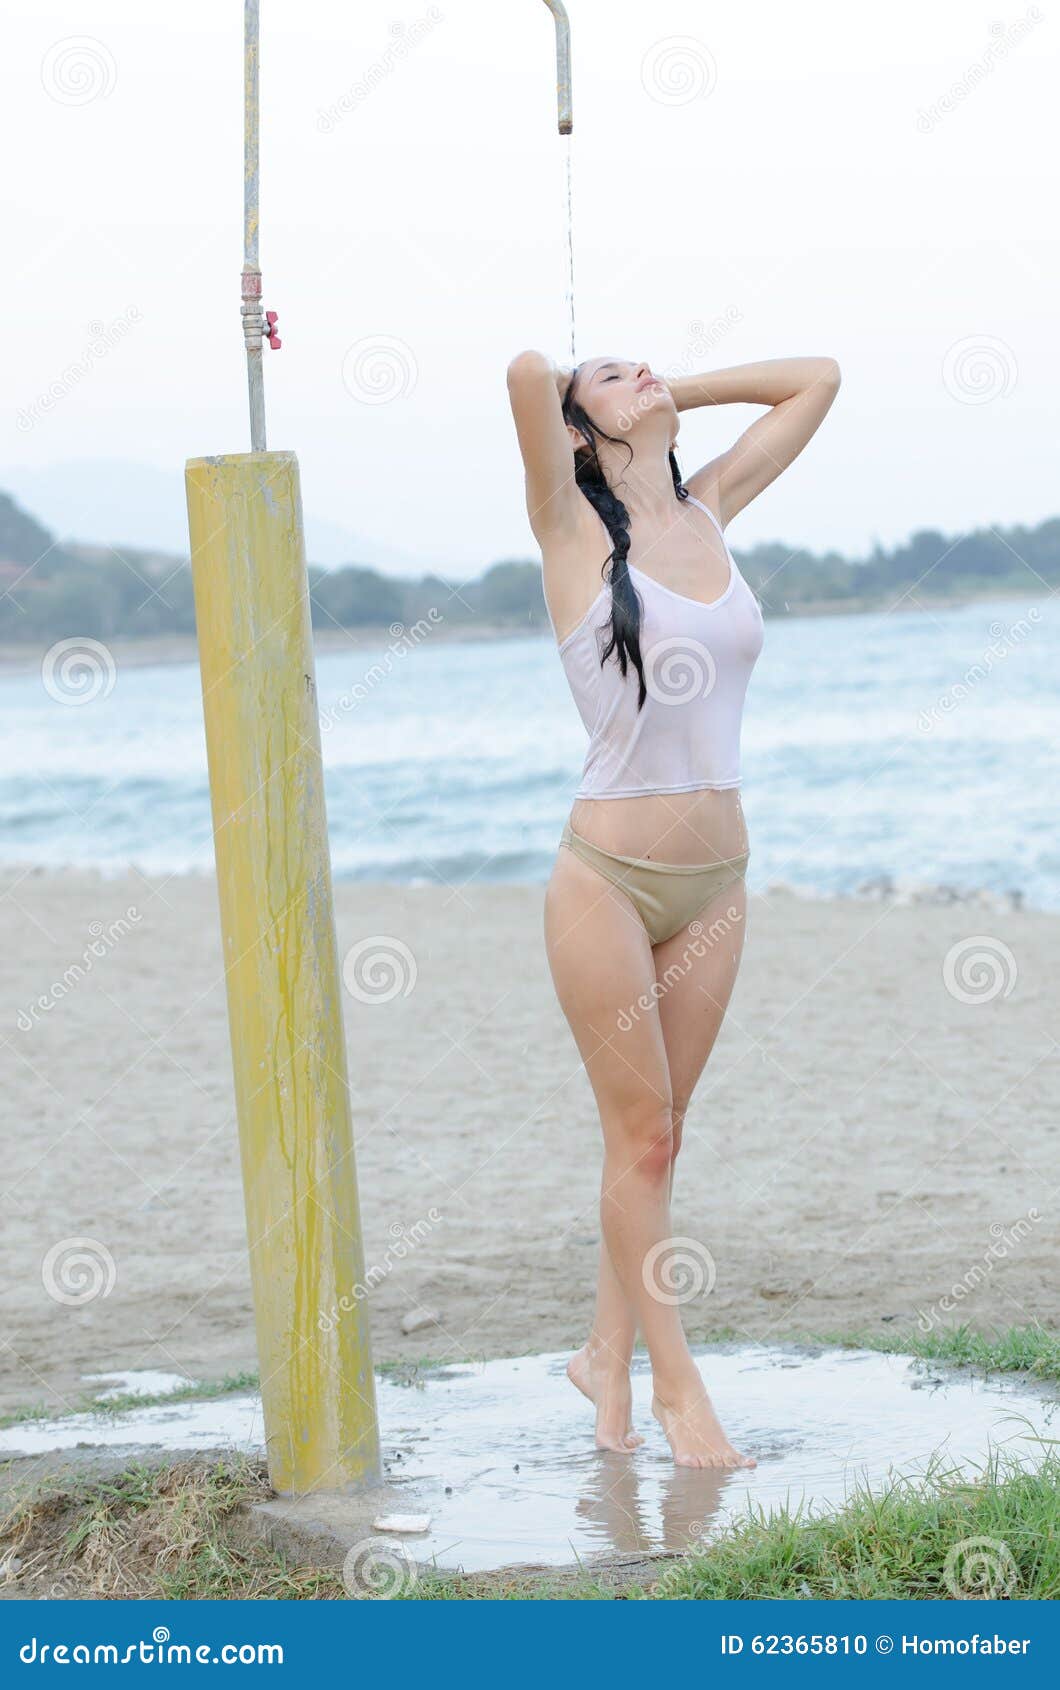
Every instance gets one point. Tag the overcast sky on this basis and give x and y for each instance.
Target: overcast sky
(750, 181)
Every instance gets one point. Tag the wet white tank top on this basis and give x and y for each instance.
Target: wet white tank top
(697, 660)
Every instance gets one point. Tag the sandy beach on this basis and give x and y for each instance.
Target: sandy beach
(875, 1139)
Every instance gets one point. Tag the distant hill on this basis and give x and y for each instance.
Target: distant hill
(124, 503)
(52, 591)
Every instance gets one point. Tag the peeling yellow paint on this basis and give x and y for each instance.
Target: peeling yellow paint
(277, 924)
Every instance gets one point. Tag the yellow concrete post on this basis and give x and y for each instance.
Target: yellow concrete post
(281, 968)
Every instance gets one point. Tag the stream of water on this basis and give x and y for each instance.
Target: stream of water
(568, 149)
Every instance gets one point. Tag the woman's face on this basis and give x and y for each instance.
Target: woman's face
(619, 394)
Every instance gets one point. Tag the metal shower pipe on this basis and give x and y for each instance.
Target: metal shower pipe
(259, 326)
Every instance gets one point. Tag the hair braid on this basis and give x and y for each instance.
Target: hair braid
(625, 619)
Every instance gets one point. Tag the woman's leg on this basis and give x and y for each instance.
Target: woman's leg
(601, 1367)
(696, 970)
(594, 936)
(605, 976)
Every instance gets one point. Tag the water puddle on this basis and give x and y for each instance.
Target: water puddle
(501, 1457)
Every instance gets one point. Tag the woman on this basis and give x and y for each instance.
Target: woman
(644, 912)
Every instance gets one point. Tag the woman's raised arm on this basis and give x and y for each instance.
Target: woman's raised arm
(799, 392)
(535, 390)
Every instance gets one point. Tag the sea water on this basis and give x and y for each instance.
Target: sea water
(917, 745)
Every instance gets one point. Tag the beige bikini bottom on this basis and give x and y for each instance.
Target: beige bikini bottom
(667, 896)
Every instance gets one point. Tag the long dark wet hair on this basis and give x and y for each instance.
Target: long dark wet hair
(624, 622)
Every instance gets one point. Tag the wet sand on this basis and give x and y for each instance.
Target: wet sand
(875, 1140)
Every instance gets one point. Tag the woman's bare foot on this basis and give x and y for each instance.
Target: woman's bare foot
(693, 1430)
(608, 1387)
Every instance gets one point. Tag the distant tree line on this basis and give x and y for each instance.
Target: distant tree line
(51, 591)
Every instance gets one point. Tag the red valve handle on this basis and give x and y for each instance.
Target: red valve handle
(272, 337)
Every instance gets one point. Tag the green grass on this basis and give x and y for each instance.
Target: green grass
(895, 1545)
(1014, 1349)
(411, 1373)
(170, 1531)
(1017, 1349)
(195, 1390)
(176, 1532)
(155, 1532)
